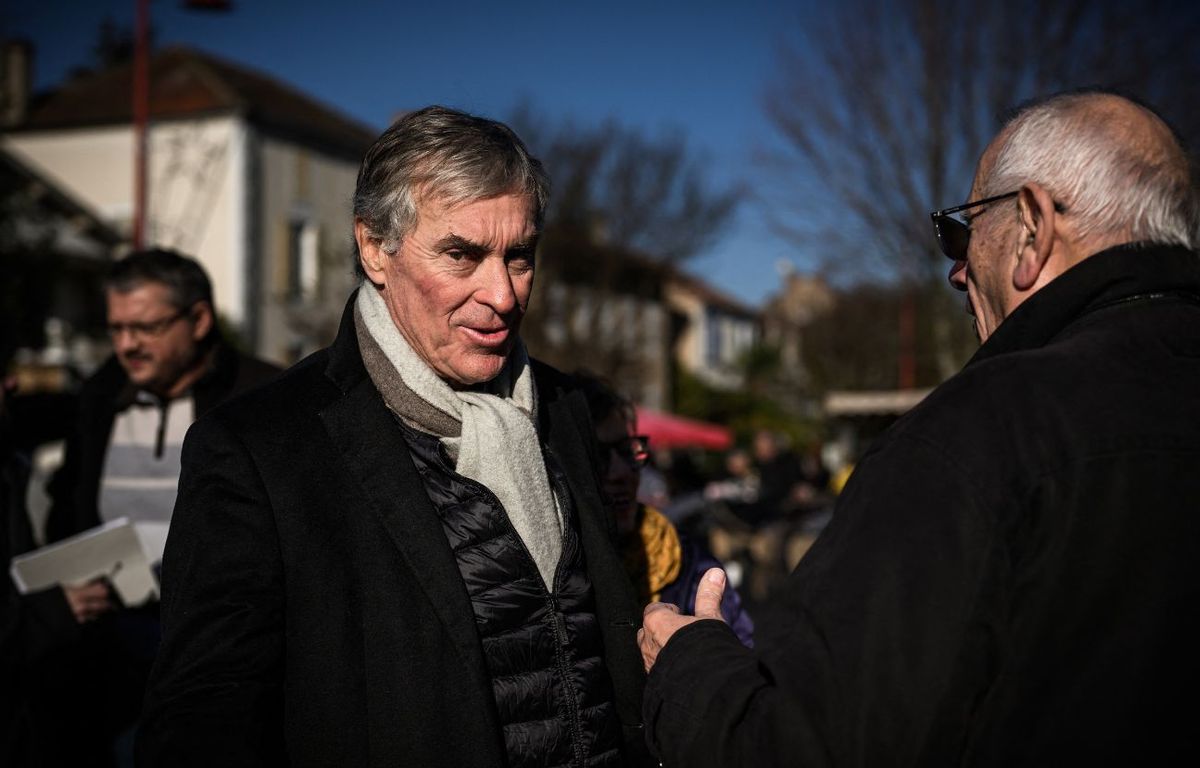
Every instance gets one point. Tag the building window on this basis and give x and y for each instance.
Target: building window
(302, 259)
(712, 338)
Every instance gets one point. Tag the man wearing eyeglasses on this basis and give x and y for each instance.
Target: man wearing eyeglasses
(1011, 574)
(169, 366)
(122, 459)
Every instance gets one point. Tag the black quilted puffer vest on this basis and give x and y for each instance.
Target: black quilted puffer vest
(543, 649)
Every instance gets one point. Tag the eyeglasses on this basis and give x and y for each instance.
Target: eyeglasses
(634, 450)
(147, 330)
(954, 236)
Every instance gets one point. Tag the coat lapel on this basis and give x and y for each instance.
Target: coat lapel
(570, 444)
(378, 458)
(570, 438)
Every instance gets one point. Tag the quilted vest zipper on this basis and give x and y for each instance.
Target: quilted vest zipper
(558, 623)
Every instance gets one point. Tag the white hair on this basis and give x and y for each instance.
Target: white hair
(1112, 180)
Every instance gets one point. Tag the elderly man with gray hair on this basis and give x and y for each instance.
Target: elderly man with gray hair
(397, 554)
(1011, 574)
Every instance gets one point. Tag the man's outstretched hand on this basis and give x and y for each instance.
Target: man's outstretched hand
(662, 620)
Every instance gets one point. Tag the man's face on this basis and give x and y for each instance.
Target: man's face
(991, 257)
(460, 282)
(620, 481)
(155, 342)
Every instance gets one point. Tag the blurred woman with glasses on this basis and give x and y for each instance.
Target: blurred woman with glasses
(664, 565)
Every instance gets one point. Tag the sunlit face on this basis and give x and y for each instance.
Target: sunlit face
(459, 284)
(620, 482)
(156, 343)
(991, 258)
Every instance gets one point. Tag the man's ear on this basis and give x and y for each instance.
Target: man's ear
(202, 320)
(1037, 214)
(370, 254)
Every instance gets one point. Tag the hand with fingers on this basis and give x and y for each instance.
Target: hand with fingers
(662, 620)
(89, 600)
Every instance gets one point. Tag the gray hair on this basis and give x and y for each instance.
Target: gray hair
(1114, 178)
(441, 153)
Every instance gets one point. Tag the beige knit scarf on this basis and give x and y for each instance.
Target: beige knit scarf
(491, 435)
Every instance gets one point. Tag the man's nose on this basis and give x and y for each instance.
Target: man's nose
(958, 275)
(125, 340)
(496, 288)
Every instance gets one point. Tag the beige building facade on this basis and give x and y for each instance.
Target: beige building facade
(716, 333)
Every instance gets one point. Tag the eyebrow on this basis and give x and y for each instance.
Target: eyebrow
(525, 248)
(453, 242)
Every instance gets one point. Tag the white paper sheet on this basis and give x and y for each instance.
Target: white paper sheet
(112, 550)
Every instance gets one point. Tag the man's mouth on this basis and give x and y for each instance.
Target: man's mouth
(487, 336)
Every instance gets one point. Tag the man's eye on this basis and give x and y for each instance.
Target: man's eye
(456, 254)
(520, 262)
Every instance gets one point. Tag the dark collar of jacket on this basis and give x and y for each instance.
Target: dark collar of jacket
(1118, 274)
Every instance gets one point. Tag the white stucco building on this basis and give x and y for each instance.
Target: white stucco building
(245, 173)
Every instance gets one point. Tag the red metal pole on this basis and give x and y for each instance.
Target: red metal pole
(141, 115)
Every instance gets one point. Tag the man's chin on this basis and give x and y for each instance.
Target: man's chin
(478, 368)
(139, 375)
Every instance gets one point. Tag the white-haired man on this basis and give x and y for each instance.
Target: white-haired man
(1010, 577)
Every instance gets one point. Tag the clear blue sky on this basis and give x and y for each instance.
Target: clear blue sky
(700, 66)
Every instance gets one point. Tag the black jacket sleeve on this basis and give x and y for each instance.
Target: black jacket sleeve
(215, 693)
(882, 629)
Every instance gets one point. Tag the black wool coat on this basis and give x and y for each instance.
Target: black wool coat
(1011, 575)
(312, 609)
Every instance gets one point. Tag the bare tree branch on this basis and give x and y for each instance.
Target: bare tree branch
(883, 106)
(626, 208)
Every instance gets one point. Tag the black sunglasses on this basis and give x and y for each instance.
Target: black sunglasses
(954, 236)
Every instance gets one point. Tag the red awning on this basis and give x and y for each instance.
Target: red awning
(666, 430)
